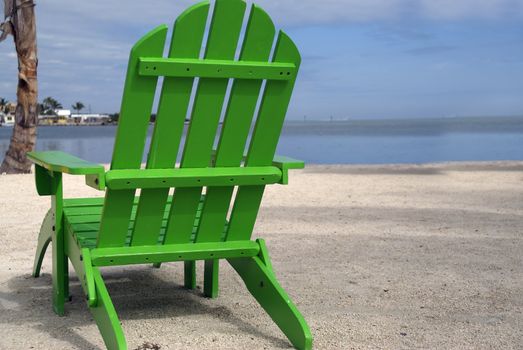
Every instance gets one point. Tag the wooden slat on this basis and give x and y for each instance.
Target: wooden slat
(259, 37)
(247, 69)
(173, 252)
(93, 213)
(192, 177)
(264, 141)
(186, 42)
(86, 233)
(129, 144)
(82, 202)
(222, 43)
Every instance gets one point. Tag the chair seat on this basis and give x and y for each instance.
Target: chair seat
(82, 219)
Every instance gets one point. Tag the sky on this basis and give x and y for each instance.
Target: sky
(361, 58)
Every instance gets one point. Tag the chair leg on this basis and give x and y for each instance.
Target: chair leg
(105, 316)
(210, 280)
(60, 274)
(262, 284)
(190, 274)
(44, 238)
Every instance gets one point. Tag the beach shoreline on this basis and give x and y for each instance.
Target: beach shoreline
(375, 256)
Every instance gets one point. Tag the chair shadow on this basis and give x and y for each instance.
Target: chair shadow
(29, 302)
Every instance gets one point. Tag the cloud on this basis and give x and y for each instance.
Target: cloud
(117, 12)
(331, 11)
(290, 12)
(303, 12)
(83, 46)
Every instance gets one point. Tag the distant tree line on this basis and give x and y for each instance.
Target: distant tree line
(50, 105)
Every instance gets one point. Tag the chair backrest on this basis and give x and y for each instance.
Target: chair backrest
(262, 58)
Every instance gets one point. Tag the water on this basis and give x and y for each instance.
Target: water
(350, 142)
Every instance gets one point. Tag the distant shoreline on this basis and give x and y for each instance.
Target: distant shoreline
(406, 141)
(392, 122)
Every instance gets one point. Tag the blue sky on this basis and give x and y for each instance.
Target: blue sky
(361, 58)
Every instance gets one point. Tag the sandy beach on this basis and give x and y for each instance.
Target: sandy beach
(375, 257)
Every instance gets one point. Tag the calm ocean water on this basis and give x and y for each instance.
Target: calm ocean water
(348, 142)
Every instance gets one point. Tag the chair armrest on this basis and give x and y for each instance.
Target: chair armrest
(64, 163)
(285, 164)
(49, 162)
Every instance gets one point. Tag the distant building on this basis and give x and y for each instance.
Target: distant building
(90, 119)
(52, 120)
(60, 117)
(63, 113)
(64, 117)
(8, 119)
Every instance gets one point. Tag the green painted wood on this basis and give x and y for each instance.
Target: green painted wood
(285, 164)
(172, 252)
(264, 254)
(96, 181)
(186, 42)
(92, 218)
(257, 43)
(105, 316)
(84, 221)
(60, 273)
(216, 69)
(190, 177)
(211, 277)
(89, 277)
(288, 162)
(189, 274)
(129, 144)
(44, 238)
(262, 284)
(64, 163)
(258, 40)
(221, 44)
(78, 204)
(43, 181)
(264, 141)
(124, 229)
(80, 259)
(82, 202)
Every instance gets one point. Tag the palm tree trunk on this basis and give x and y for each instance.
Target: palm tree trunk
(23, 140)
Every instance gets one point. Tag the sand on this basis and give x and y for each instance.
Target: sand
(390, 257)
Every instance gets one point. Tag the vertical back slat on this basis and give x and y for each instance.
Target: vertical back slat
(186, 42)
(259, 37)
(264, 141)
(222, 42)
(129, 144)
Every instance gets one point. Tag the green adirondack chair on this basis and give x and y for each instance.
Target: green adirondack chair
(194, 223)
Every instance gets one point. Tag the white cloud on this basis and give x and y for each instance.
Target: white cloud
(128, 12)
(84, 45)
(304, 12)
(312, 11)
(290, 12)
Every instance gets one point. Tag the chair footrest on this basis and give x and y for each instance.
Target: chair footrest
(173, 252)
